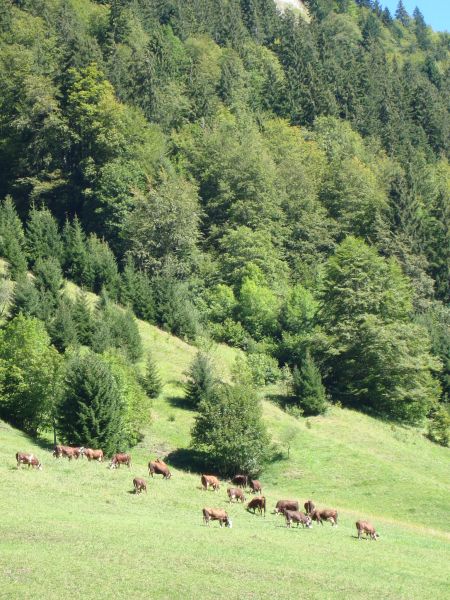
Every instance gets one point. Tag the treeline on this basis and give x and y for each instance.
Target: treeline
(228, 170)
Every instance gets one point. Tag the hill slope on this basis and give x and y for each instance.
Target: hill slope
(75, 530)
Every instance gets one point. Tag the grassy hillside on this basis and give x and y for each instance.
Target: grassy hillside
(75, 530)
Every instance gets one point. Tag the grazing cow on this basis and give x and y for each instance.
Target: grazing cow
(210, 481)
(28, 459)
(93, 454)
(216, 514)
(235, 494)
(139, 485)
(310, 507)
(294, 516)
(255, 486)
(120, 459)
(159, 467)
(283, 505)
(368, 529)
(326, 514)
(240, 480)
(257, 504)
(68, 451)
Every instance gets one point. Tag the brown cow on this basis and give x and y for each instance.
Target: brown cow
(235, 494)
(257, 504)
(368, 529)
(139, 485)
(93, 454)
(68, 451)
(283, 505)
(326, 514)
(28, 459)
(159, 467)
(210, 481)
(120, 459)
(310, 507)
(216, 514)
(255, 486)
(240, 480)
(294, 516)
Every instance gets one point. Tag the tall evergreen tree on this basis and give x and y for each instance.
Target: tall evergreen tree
(308, 389)
(75, 252)
(12, 238)
(402, 14)
(91, 411)
(151, 381)
(201, 380)
(43, 238)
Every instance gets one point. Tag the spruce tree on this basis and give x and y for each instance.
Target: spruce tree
(91, 412)
(308, 388)
(62, 328)
(12, 239)
(75, 252)
(43, 238)
(26, 299)
(439, 425)
(84, 321)
(201, 380)
(151, 382)
(402, 14)
(101, 270)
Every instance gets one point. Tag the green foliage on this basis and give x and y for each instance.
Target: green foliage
(29, 372)
(43, 239)
(84, 319)
(62, 328)
(76, 255)
(136, 291)
(308, 389)
(258, 309)
(101, 270)
(151, 381)
(12, 238)
(200, 380)
(439, 425)
(229, 427)
(92, 409)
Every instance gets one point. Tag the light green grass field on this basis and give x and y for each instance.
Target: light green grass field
(74, 530)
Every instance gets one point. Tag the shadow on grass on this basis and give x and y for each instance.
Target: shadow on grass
(187, 459)
(180, 402)
(281, 400)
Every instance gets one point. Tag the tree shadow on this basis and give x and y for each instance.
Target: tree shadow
(187, 459)
(281, 400)
(180, 402)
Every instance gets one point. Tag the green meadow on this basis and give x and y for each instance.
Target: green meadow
(76, 530)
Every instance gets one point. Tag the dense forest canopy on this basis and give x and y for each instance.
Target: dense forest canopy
(278, 181)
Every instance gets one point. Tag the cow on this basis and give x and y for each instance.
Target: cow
(139, 485)
(257, 504)
(28, 459)
(235, 494)
(68, 451)
(216, 514)
(159, 467)
(326, 514)
(294, 516)
(368, 529)
(255, 486)
(310, 507)
(240, 480)
(120, 459)
(283, 505)
(210, 481)
(93, 454)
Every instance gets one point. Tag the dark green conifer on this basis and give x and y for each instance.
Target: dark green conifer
(151, 382)
(201, 380)
(308, 388)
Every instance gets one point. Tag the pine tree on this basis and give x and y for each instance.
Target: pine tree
(91, 412)
(136, 291)
(26, 298)
(201, 380)
(439, 425)
(308, 388)
(84, 320)
(12, 239)
(401, 14)
(43, 239)
(75, 252)
(101, 270)
(62, 328)
(151, 382)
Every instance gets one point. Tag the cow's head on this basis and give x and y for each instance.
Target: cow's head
(113, 464)
(375, 536)
(39, 466)
(82, 450)
(229, 523)
(308, 522)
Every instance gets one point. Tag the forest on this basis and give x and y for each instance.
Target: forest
(277, 181)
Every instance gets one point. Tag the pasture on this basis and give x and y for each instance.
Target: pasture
(76, 530)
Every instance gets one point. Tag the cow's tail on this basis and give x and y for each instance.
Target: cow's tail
(264, 506)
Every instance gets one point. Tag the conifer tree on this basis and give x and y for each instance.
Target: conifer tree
(62, 328)
(26, 298)
(151, 382)
(43, 238)
(402, 14)
(75, 252)
(308, 388)
(91, 411)
(12, 239)
(84, 321)
(201, 380)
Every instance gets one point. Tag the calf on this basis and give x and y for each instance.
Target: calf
(139, 485)
(158, 467)
(240, 480)
(23, 458)
(326, 514)
(216, 514)
(310, 507)
(93, 454)
(68, 451)
(235, 494)
(210, 481)
(368, 529)
(120, 459)
(255, 486)
(294, 516)
(283, 505)
(257, 504)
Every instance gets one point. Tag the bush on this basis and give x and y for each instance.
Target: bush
(264, 368)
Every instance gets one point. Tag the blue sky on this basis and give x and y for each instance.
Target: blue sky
(436, 12)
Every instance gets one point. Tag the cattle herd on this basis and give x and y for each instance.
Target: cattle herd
(287, 508)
